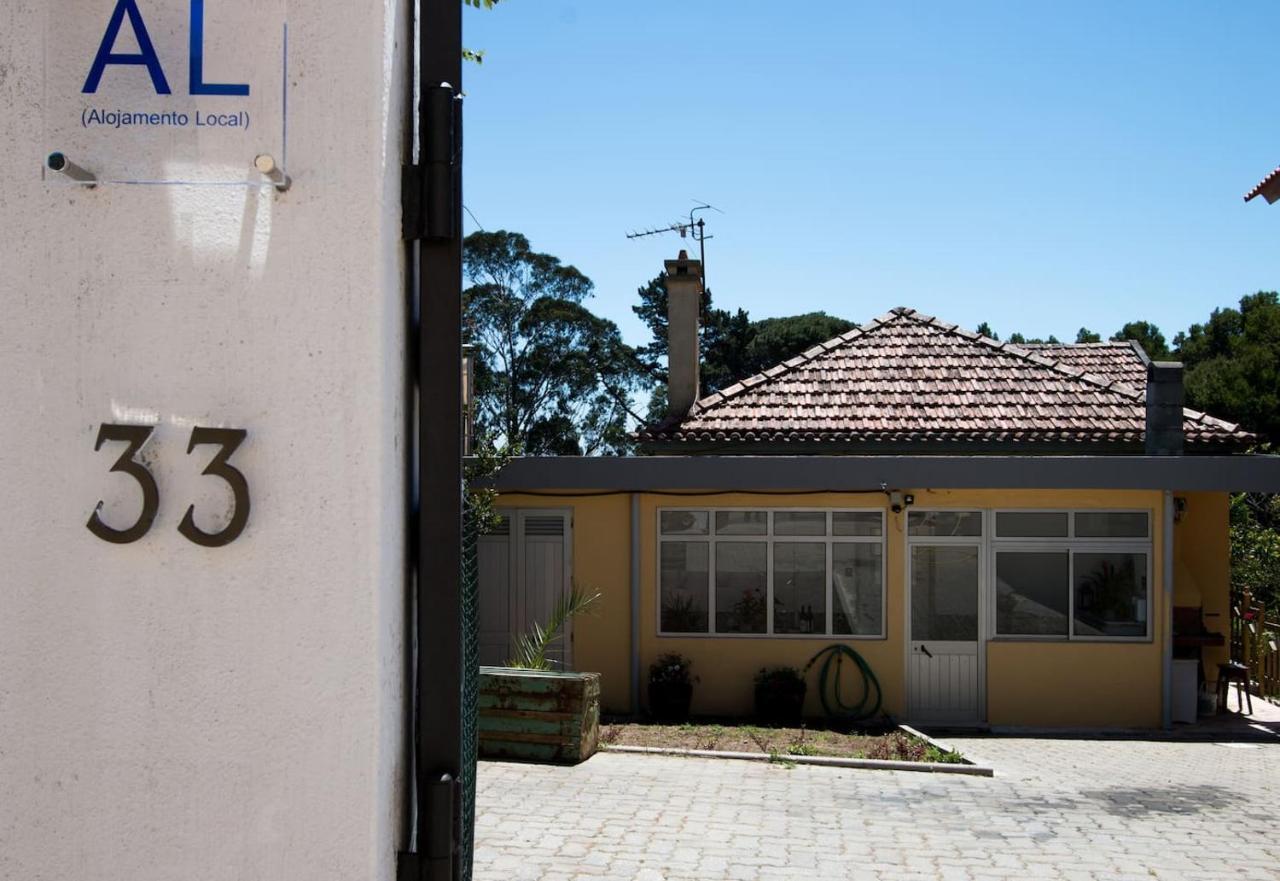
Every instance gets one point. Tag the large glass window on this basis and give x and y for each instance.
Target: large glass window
(1110, 594)
(742, 587)
(742, 523)
(1033, 593)
(857, 588)
(800, 523)
(857, 523)
(1072, 574)
(684, 522)
(799, 587)
(944, 593)
(684, 586)
(1111, 524)
(943, 524)
(1031, 524)
(771, 572)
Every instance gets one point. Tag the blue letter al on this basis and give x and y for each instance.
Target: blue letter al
(197, 84)
(146, 54)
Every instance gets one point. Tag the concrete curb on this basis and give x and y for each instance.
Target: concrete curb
(825, 761)
(947, 748)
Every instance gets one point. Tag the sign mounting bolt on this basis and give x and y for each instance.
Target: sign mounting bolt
(266, 164)
(59, 162)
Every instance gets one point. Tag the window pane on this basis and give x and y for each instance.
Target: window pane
(799, 587)
(857, 523)
(684, 586)
(800, 523)
(856, 589)
(944, 593)
(741, 523)
(741, 585)
(942, 523)
(684, 522)
(1031, 524)
(1032, 593)
(1111, 594)
(1091, 524)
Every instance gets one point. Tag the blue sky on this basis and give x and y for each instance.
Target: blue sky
(1039, 166)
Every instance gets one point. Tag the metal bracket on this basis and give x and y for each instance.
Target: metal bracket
(437, 862)
(428, 187)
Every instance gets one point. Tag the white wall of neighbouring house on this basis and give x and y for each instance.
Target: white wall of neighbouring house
(170, 710)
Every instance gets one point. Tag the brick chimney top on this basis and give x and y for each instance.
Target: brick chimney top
(684, 301)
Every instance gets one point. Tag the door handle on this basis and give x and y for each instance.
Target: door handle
(925, 649)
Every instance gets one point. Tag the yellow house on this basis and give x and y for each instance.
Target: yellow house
(1001, 532)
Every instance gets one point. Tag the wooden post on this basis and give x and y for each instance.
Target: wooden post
(1248, 636)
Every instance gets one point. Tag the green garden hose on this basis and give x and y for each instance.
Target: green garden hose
(833, 656)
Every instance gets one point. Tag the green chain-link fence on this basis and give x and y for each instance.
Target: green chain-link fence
(470, 684)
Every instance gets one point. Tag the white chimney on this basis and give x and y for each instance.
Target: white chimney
(684, 301)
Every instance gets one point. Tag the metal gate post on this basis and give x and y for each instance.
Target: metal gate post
(433, 226)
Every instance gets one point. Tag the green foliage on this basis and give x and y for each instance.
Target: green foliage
(778, 677)
(672, 668)
(473, 55)
(774, 340)
(1146, 335)
(1020, 339)
(1255, 547)
(531, 648)
(1084, 335)
(485, 462)
(943, 756)
(984, 329)
(1233, 364)
(551, 377)
(732, 345)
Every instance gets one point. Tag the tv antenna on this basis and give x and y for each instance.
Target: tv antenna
(695, 228)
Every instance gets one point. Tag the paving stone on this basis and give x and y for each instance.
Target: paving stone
(1075, 810)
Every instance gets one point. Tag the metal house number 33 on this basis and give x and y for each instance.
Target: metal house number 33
(229, 439)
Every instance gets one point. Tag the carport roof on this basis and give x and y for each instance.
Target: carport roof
(590, 475)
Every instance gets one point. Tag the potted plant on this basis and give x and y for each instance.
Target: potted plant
(530, 711)
(670, 688)
(780, 695)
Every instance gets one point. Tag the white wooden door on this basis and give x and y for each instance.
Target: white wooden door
(943, 666)
(544, 577)
(523, 572)
(496, 559)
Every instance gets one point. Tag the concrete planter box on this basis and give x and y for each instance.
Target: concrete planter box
(534, 716)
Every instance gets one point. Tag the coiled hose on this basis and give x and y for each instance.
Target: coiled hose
(832, 702)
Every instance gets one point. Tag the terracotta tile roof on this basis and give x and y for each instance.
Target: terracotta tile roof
(911, 380)
(1122, 362)
(1268, 188)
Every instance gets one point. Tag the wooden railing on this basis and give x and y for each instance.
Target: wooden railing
(1254, 638)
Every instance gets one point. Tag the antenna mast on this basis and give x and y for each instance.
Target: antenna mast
(695, 227)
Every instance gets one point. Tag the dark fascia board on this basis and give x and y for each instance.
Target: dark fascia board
(589, 474)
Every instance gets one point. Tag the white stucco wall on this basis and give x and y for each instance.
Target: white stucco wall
(167, 710)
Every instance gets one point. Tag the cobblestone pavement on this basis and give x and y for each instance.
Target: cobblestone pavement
(1056, 809)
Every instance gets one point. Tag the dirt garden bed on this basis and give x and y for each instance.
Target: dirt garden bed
(896, 745)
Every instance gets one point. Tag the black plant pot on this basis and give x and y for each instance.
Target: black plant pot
(669, 701)
(780, 703)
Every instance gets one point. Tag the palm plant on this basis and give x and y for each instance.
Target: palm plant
(531, 648)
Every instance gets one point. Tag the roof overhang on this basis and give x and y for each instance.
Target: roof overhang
(581, 474)
(1268, 189)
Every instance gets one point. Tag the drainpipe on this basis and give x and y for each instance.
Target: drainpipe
(1166, 613)
(635, 604)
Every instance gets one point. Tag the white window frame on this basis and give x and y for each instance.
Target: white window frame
(770, 540)
(1071, 545)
